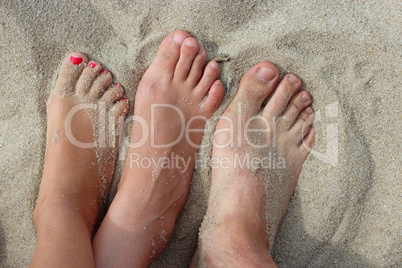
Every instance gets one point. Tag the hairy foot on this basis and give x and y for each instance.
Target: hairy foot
(84, 111)
(174, 99)
(258, 154)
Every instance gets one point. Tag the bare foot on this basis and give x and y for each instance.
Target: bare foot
(265, 148)
(84, 112)
(174, 94)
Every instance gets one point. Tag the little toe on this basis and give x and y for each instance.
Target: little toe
(169, 54)
(117, 114)
(88, 76)
(284, 92)
(303, 124)
(196, 69)
(101, 83)
(255, 86)
(113, 94)
(214, 97)
(308, 143)
(188, 52)
(297, 103)
(120, 108)
(70, 72)
(211, 73)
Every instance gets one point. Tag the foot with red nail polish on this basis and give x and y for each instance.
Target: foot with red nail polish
(84, 114)
(174, 99)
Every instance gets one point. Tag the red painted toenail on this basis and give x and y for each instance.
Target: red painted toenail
(76, 60)
(92, 64)
(126, 100)
(104, 72)
(117, 85)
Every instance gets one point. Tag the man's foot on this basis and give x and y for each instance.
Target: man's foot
(174, 93)
(84, 111)
(265, 146)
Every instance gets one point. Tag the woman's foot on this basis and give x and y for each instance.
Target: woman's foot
(84, 112)
(265, 146)
(173, 101)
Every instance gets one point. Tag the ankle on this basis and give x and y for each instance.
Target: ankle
(237, 251)
(235, 243)
(247, 228)
(55, 212)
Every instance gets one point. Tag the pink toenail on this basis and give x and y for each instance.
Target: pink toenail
(304, 98)
(218, 83)
(266, 74)
(309, 110)
(76, 60)
(117, 85)
(179, 38)
(105, 72)
(293, 79)
(214, 65)
(126, 100)
(191, 43)
(92, 64)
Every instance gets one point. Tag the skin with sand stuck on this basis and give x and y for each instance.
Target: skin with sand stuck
(266, 146)
(263, 147)
(84, 115)
(174, 92)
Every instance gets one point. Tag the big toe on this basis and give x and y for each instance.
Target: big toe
(70, 72)
(255, 86)
(169, 53)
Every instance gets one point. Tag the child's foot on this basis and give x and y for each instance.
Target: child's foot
(249, 197)
(84, 111)
(173, 94)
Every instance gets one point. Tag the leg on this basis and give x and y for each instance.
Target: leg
(173, 94)
(249, 197)
(83, 108)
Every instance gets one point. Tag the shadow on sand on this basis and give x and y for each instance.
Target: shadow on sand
(2, 245)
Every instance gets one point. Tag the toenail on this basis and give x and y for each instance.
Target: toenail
(191, 43)
(105, 72)
(126, 100)
(76, 60)
(266, 74)
(304, 98)
(218, 83)
(309, 110)
(117, 85)
(92, 64)
(293, 79)
(214, 65)
(179, 38)
(201, 51)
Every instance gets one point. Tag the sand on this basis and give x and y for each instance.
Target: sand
(346, 211)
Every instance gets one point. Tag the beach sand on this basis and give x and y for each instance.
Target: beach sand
(346, 211)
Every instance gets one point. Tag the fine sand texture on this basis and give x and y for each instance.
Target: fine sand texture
(346, 211)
